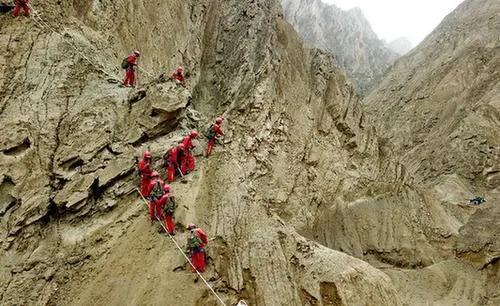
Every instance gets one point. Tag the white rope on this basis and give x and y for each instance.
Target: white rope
(184, 254)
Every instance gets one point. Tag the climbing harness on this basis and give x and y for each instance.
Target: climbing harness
(184, 254)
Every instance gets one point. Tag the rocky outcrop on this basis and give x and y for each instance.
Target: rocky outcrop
(347, 35)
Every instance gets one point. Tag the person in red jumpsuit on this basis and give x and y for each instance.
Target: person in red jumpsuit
(173, 158)
(145, 171)
(188, 162)
(21, 4)
(166, 208)
(153, 193)
(129, 79)
(197, 240)
(213, 134)
(178, 76)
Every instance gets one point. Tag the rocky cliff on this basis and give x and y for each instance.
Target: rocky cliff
(305, 204)
(347, 35)
(73, 227)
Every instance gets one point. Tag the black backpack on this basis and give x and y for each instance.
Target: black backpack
(170, 206)
(194, 242)
(210, 133)
(157, 191)
(125, 63)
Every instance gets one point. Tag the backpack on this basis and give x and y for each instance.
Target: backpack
(193, 241)
(157, 191)
(210, 133)
(125, 63)
(169, 207)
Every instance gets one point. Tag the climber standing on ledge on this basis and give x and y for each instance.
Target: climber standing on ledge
(21, 4)
(188, 162)
(145, 172)
(178, 76)
(128, 64)
(197, 240)
(213, 133)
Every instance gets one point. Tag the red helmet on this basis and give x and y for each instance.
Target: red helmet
(180, 69)
(166, 188)
(136, 52)
(219, 120)
(147, 154)
(191, 226)
(155, 174)
(181, 146)
(193, 134)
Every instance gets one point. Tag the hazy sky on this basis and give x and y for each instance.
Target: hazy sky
(391, 19)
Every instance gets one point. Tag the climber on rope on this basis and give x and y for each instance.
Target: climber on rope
(166, 206)
(145, 172)
(173, 157)
(128, 64)
(154, 193)
(178, 76)
(197, 240)
(188, 161)
(21, 4)
(213, 133)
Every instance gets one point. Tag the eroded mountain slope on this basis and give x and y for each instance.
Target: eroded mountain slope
(70, 207)
(347, 35)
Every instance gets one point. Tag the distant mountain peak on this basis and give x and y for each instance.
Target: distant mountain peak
(401, 45)
(347, 35)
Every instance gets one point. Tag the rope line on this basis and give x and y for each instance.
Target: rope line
(182, 252)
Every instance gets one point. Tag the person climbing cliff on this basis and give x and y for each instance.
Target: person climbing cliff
(178, 76)
(145, 171)
(213, 133)
(166, 206)
(21, 4)
(129, 64)
(188, 161)
(172, 161)
(154, 193)
(197, 241)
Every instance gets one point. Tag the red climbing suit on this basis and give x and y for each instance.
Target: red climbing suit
(198, 255)
(129, 79)
(217, 131)
(152, 203)
(188, 162)
(178, 75)
(167, 218)
(21, 4)
(145, 172)
(174, 157)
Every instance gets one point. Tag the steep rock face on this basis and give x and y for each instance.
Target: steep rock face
(69, 208)
(347, 35)
(304, 203)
